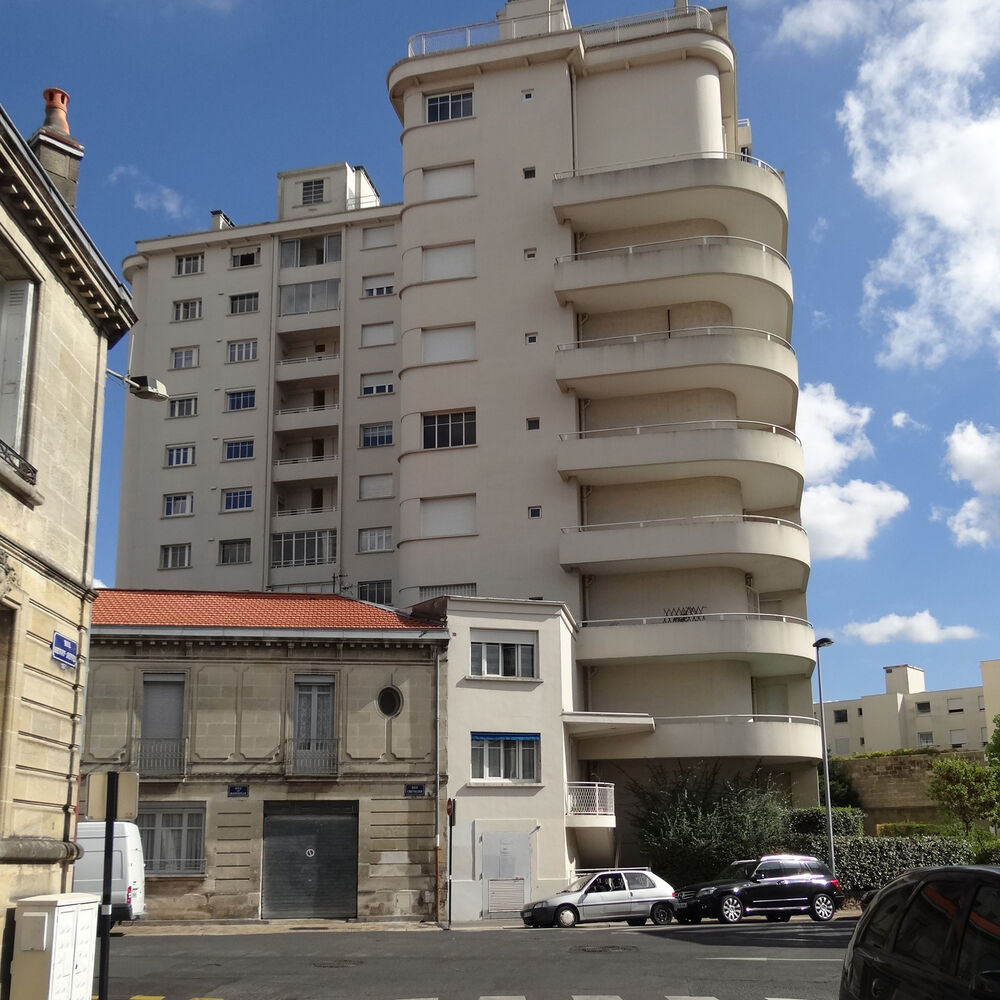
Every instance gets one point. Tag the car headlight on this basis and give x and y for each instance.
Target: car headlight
(538, 905)
(707, 891)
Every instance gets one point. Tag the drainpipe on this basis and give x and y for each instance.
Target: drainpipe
(437, 786)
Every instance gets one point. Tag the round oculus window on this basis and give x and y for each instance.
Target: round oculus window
(390, 701)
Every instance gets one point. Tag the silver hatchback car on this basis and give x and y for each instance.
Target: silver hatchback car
(634, 895)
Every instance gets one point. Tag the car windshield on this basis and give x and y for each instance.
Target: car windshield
(577, 884)
(738, 870)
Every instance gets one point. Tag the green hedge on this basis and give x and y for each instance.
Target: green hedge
(869, 862)
(847, 822)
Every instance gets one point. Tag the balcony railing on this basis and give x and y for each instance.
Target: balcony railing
(686, 425)
(590, 798)
(307, 359)
(687, 241)
(696, 613)
(694, 331)
(306, 409)
(309, 758)
(20, 465)
(156, 758)
(606, 168)
(679, 521)
(286, 511)
(306, 458)
(621, 29)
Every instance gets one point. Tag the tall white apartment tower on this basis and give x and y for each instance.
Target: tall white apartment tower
(560, 370)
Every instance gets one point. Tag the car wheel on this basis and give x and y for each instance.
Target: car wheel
(730, 910)
(565, 917)
(822, 906)
(661, 913)
(635, 921)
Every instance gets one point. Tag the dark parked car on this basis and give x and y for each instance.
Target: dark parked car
(631, 894)
(775, 886)
(932, 934)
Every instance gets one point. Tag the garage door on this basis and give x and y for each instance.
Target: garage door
(310, 865)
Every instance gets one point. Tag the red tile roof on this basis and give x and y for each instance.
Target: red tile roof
(219, 609)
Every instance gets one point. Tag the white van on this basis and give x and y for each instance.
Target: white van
(128, 872)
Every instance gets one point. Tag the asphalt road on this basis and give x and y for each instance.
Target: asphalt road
(754, 960)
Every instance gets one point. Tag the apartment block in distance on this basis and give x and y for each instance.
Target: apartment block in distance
(560, 372)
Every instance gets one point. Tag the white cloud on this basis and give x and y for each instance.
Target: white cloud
(922, 627)
(816, 23)
(832, 432)
(820, 319)
(99, 584)
(973, 456)
(818, 231)
(976, 523)
(842, 521)
(149, 195)
(902, 420)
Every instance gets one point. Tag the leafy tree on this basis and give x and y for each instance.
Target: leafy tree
(992, 749)
(967, 790)
(842, 791)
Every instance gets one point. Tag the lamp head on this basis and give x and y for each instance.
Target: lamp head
(822, 643)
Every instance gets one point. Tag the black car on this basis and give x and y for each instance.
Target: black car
(775, 886)
(932, 934)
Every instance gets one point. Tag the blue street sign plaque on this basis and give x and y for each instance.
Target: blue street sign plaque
(64, 650)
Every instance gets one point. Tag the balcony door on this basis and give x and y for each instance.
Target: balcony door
(314, 745)
(161, 743)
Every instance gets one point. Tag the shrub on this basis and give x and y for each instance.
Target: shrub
(911, 829)
(846, 822)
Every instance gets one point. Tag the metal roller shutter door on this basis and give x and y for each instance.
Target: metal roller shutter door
(310, 864)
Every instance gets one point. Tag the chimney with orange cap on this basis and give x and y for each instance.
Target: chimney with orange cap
(57, 151)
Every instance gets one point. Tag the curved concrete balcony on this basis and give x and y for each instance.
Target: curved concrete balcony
(752, 278)
(745, 194)
(766, 459)
(772, 739)
(590, 804)
(772, 645)
(312, 368)
(306, 418)
(302, 518)
(758, 368)
(290, 470)
(774, 551)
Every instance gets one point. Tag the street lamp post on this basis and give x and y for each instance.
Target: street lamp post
(818, 645)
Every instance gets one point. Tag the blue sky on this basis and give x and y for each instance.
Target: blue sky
(886, 121)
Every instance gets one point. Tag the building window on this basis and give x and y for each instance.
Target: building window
(314, 748)
(312, 192)
(375, 539)
(389, 701)
(309, 297)
(378, 334)
(180, 454)
(183, 406)
(861, 711)
(840, 715)
(443, 263)
(173, 837)
(308, 251)
(503, 654)
(376, 591)
(245, 257)
(241, 350)
(449, 430)
(955, 705)
(237, 450)
(240, 499)
(530, 338)
(445, 107)
(303, 548)
(375, 487)
(376, 435)
(443, 516)
(241, 399)
(175, 556)
(530, 253)
(534, 513)
(376, 384)
(245, 302)
(16, 312)
(185, 309)
(533, 423)
(982, 703)
(190, 263)
(377, 236)
(184, 357)
(957, 738)
(923, 708)
(842, 746)
(234, 552)
(529, 173)
(453, 343)
(377, 284)
(449, 182)
(178, 504)
(505, 756)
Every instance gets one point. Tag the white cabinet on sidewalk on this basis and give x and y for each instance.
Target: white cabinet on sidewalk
(55, 937)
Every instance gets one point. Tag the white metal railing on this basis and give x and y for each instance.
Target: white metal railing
(687, 521)
(640, 248)
(684, 425)
(363, 201)
(707, 154)
(304, 510)
(306, 359)
(321, 560)
(736, 720)
(590, 798)
(683, 334)
(307, 458)
(306, 409)
(621, 29)
(697, 614)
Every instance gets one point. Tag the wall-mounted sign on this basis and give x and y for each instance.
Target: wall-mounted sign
(64, 650)
(238, 792)
(413, 791)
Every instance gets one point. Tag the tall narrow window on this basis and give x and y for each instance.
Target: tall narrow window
(16, 300)
(161, 746)
(314, 746)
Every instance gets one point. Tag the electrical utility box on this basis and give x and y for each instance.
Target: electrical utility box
(54, 941)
